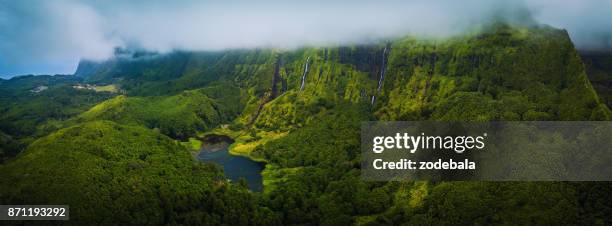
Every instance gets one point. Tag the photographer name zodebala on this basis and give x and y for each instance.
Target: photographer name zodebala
(410, 143)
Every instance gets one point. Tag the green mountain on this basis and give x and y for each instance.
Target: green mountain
(300, 112)
(536, 67)
(502, 74)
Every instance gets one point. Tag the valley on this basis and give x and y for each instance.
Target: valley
(128, 155)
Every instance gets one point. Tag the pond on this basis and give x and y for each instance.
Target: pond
(215, 150)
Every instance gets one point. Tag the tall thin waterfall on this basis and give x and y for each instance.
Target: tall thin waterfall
(382, 74)
(304, 75)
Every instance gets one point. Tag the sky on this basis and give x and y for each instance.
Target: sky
(50, 37)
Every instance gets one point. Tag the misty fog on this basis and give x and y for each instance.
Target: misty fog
(51, 36)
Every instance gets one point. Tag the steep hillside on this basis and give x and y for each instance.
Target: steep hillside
(599, 68)
(501, 73)
(146, 74)
(406, 79)
(504, 73)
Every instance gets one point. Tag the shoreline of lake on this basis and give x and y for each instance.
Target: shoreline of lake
(214, 149)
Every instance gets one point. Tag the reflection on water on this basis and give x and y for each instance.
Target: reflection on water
(234, 167)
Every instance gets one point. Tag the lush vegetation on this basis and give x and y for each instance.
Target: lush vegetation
(503, 73)
(9, 147)
(117, 159)
(114, 174)
(327, 189)
(27, 113)
(179, 116)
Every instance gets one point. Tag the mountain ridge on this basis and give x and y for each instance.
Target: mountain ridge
(315, 98)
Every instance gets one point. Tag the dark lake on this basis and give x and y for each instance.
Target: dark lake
(215, 150)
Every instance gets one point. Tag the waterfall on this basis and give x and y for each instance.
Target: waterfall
(382, 70)
(304, 75)
(276, 78)
(382, 74)
(269, 96)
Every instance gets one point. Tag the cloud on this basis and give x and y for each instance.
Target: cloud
(43, 36)
(588, 22)
(39, 36)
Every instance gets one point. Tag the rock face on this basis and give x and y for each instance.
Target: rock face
(599, 69)
(505, 73)
(500, 73)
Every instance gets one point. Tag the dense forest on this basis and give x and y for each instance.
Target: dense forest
(119, 156)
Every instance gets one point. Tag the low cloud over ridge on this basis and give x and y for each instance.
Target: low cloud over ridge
(51, 36)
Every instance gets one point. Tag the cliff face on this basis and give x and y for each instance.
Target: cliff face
(599, 69)
(499, 73)
(503, 73)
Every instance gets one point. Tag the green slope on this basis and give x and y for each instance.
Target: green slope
(114, 174)
(504, 73)
(179, 116)
(599, 69)
(500, 73)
